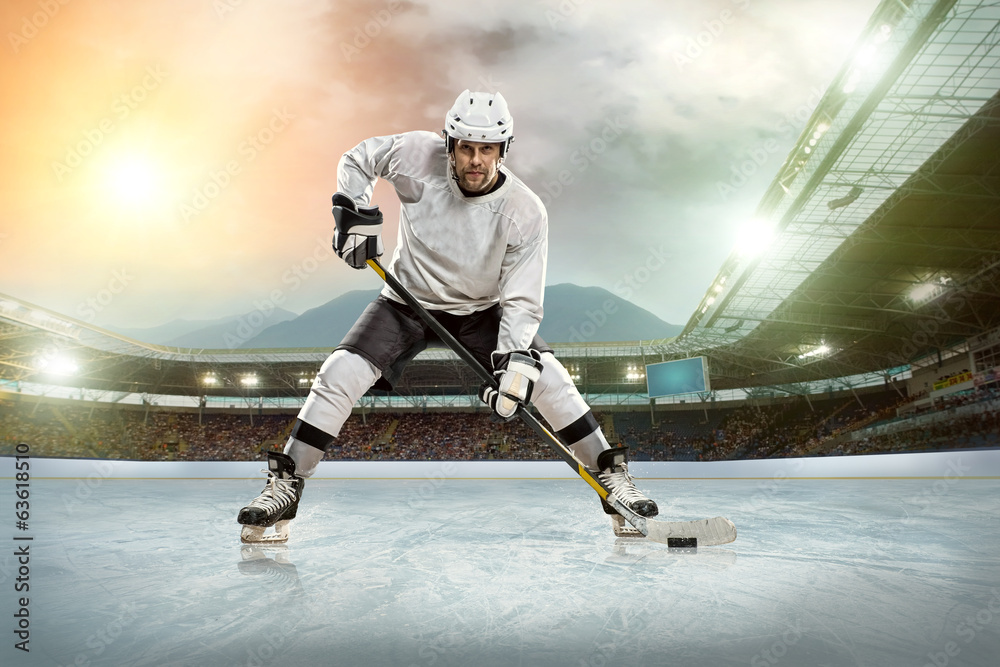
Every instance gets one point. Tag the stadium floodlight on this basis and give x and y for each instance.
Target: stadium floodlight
(923, 291)
(852, 81)
(928, 291)
(754, 237)
(210, 379)
(884, 33)
(819, 351)
(249, 381)
(865, 56)
(56, 365)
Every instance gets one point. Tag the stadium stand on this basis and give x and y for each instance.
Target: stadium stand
(787, 427)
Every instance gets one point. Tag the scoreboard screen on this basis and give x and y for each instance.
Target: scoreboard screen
(683, 376)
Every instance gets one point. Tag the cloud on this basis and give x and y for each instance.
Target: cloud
(600, 91)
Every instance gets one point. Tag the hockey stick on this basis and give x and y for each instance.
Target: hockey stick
(703, 532)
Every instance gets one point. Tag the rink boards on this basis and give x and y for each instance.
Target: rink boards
(394, 568)
(970, 464)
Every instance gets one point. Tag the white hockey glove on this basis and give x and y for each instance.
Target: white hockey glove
(358, 236)
(516, 373)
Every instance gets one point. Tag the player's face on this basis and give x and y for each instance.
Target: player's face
(476, 165)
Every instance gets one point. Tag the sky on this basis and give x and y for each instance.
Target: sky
(165, 160)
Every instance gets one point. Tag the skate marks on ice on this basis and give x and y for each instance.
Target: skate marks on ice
(873, 572)
(491, 572)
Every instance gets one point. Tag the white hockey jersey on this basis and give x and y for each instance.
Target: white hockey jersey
(455, 253)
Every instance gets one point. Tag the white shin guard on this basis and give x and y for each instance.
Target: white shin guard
(561, 405)
(588, 448)
(342, 380)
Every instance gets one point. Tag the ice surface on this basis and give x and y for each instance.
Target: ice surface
(508, 572)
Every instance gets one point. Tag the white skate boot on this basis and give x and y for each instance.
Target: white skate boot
(612, 467)
(276, 505)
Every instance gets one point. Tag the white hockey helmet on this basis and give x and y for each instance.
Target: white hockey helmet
(479, 117)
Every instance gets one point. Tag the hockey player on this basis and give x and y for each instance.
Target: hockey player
(472, 249)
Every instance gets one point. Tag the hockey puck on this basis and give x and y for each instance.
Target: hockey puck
(682, 542)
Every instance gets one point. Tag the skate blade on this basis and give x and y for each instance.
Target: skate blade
(256, 535)
(624, 529)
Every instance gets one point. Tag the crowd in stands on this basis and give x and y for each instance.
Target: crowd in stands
(967, 432)
(978, 395)
(455, 436)
(948, 431)
(70, 431)
(74, 432)
(793, 427)
(52, 431)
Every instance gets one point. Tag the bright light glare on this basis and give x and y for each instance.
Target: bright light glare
(815, 352)
(924, 291)
(250, 381)
(133, 179)
(754, 237)
(56, 365)
(865, 56)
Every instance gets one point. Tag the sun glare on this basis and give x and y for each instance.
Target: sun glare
(133, 180)
(754, 237)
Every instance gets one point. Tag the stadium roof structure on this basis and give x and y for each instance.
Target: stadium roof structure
(885, 215)
(886, 248)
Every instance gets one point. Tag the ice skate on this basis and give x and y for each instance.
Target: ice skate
(612, 467)
(275, 506)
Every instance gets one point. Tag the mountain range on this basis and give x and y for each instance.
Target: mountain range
(573, 314)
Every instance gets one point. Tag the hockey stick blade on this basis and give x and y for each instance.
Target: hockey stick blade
(680, 534)
(698, 533)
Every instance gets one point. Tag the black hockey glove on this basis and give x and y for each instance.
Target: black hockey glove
(358, 236)
(516, 373)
